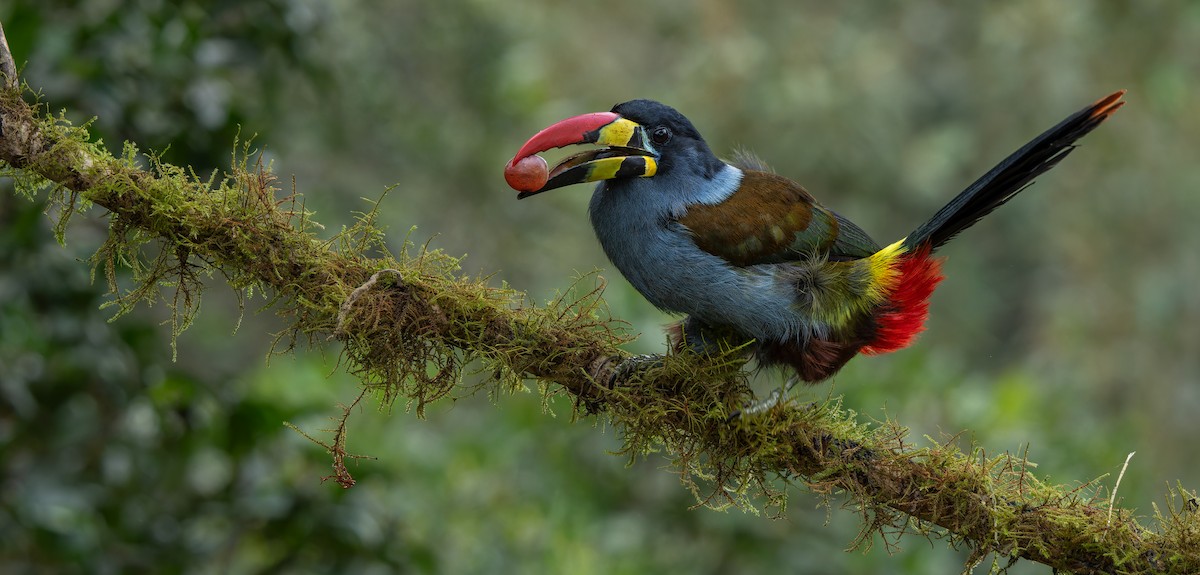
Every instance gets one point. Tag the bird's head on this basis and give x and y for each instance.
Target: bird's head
(637, 139)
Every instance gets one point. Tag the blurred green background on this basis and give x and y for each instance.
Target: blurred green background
(1068, 323)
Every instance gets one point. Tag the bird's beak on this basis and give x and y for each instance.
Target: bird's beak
(626, 151)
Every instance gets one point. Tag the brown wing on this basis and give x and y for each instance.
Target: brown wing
(771, 219)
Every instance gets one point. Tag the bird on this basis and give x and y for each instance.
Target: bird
(743, 253)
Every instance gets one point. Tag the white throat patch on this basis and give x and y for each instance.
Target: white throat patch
(724, 184)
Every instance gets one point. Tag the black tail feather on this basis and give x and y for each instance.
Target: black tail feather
(1012, 175)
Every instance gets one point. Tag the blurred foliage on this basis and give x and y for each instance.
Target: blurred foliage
(1068, 324)
(180, 76)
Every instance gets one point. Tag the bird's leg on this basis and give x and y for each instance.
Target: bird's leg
(702, 338)
(690, 334)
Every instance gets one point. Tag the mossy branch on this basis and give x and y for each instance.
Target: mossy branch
(410, 322)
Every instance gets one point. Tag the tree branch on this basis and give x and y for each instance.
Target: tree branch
(408, 332)
(8, 67)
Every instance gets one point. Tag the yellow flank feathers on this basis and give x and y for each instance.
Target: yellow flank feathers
(848, 289)
(882, 267)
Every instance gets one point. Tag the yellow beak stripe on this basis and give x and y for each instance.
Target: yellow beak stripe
(651, 167)
(621, 166)
(617, 133)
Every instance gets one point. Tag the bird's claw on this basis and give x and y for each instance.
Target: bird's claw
(627, 366)
(777, 396)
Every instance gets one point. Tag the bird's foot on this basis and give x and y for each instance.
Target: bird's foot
(778, 396)
(625, 367)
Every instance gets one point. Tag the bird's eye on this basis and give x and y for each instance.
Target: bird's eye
(660, 135)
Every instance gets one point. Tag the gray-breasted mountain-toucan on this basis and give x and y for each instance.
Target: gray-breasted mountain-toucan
(743, 251)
